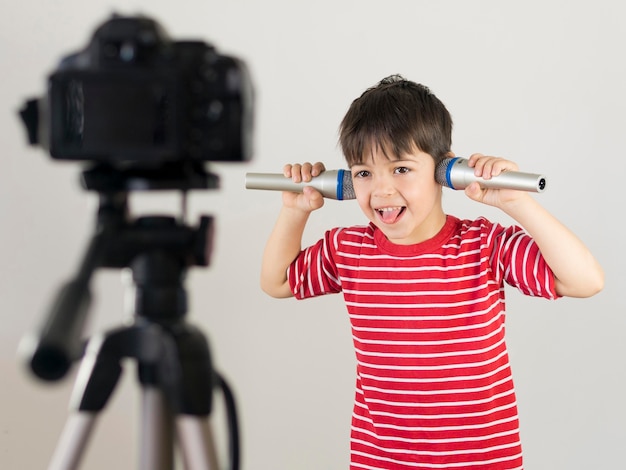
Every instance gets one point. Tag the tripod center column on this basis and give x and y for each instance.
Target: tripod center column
(159, 269)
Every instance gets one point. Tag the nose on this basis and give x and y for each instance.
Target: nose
(384, 185)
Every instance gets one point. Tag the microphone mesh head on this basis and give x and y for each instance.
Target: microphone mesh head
(348, 188)
(441, 172)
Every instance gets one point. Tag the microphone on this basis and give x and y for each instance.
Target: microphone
(456, 174)
(333, 184)
(452, 173)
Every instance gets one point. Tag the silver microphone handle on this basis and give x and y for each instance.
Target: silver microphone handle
(326, 183)
(461, 176)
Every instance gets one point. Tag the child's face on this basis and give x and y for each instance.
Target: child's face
(401, 197)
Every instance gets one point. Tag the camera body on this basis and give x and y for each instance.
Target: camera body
(134, 98)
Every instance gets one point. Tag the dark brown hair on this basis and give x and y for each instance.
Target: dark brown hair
(395, 116)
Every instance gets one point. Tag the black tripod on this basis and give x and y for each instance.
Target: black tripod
(173, 357)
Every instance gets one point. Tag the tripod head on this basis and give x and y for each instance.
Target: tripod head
(158, 250)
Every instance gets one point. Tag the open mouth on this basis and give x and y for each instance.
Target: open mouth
(390, 215)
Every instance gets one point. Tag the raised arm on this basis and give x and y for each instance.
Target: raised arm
(285, 241)
(577, 272)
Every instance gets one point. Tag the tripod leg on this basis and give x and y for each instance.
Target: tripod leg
(94, 383)
(72, 442)
(196, 442)
(157, 448)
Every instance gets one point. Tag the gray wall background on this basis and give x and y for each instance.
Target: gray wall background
(539, 82)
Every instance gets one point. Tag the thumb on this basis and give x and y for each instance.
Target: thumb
(314, 198)
(473, 191)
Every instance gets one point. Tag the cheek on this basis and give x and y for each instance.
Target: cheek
(363, 199)
(426, 194)
(364, 203)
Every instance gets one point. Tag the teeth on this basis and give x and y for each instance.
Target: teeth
(389, 209)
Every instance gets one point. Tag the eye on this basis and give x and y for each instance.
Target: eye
(361, 174)
(401, 170)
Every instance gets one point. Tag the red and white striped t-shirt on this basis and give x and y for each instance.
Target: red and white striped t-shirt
(433, 387)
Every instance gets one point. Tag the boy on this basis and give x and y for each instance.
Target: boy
(423, 289)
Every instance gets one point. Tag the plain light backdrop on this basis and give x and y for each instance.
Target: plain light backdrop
(538, 82)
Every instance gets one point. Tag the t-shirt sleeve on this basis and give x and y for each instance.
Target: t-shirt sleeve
(516, 258)
(314, 271)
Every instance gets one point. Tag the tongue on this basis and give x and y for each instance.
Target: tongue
(390, 217)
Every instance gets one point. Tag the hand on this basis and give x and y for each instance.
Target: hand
(487, 167)
(310, 199)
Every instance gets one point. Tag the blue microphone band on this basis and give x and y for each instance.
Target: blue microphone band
(448, 171)
(340, 185)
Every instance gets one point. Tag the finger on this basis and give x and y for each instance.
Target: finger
(478, 161)
(287, 170)
(317, 169)
(473, 159)
(296, 172)
(487, 167)
(504, 165)
(495, 166)
(306, 171)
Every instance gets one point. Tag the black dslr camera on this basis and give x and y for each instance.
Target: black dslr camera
(135, 98)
